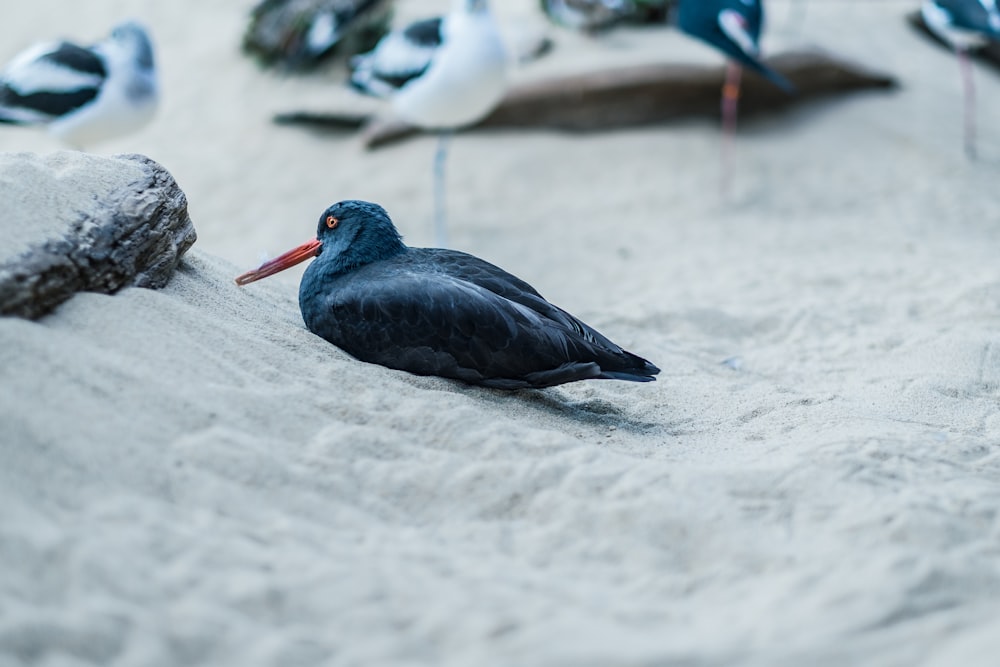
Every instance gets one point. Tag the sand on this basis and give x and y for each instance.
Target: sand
(191, 477)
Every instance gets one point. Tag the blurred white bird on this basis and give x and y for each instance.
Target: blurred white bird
(441, 74)
(83, 95)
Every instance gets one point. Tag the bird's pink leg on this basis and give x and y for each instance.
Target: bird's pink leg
(969, 91)
(730, 106)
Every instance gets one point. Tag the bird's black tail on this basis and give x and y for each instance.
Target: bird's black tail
(628, 367)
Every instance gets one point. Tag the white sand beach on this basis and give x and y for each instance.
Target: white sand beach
(189, 476)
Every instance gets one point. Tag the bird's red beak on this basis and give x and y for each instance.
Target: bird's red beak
(278, 264)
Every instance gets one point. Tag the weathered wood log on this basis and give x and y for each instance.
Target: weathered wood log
(636, 96)
(76, 222)
(988, 53)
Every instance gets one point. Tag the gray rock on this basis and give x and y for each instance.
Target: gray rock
(76, 222)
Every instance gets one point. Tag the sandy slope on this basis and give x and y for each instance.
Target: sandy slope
(191, 477)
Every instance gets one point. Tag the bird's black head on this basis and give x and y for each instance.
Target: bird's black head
(356, 232)
(349, 234)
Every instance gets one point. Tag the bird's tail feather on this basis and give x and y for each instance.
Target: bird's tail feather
(628, 377)
(771, 75)
(363, 80)
(8, 120)
(633, 369)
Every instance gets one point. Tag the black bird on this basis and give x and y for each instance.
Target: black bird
(432, 311)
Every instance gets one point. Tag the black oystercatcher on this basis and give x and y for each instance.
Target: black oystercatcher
(432, 311)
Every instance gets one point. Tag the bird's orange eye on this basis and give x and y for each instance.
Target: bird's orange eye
(332, 222)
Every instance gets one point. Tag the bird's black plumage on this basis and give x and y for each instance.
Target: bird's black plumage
(441, 312)
(57, 103)
(77, 58)
(52, 104)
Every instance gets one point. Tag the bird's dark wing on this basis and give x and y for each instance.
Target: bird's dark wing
(399, 58)
(433, 324)
(509, 286)
(973, 15)
(40, 107)
(426, 33)
(76, 58)
(734, 28)
(49, 81)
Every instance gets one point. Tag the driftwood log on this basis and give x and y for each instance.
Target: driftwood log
(75, 222)
(632, 97)
(988, 53)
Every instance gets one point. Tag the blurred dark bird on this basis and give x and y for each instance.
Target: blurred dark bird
(586, 15)
(442, 73)
(964, 25)
(83, 94)
(431, 311)
(595, 15)
(299, 34)
(733, 27)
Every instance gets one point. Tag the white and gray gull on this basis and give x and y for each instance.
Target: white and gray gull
(441, 73)
(83, 94)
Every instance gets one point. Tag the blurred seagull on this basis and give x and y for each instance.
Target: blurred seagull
(963, 25)
(733, 27)
(84, 95)
(440, 74)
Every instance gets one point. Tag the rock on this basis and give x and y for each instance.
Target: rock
(77, 222)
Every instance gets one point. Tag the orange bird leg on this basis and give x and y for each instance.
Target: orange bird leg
(730, 106)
